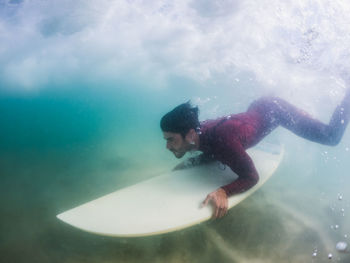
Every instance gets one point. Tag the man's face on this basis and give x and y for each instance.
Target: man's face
(176, 144)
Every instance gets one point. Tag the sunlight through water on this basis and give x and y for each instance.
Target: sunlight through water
(83, 85)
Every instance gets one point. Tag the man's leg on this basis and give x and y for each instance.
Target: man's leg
(277, 111)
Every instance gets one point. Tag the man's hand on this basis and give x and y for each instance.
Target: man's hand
(219, 200)
(194, 161)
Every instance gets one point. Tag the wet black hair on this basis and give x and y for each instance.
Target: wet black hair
(181, 119)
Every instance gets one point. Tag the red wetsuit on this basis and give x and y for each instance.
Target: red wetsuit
(227, 138)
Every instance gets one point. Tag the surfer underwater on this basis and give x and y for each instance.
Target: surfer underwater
(226, 139)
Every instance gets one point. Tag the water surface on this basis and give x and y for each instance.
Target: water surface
(83, 86)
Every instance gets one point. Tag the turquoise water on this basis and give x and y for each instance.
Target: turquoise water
(83, 86)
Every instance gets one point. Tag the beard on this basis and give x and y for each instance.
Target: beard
(179, 154)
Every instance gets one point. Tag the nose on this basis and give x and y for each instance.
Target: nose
(168, 145)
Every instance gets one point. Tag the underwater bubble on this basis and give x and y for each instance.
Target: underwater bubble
(342, 211)
(340, 197)
(341, 246)
(346, 236)
(347, 149)
(314, 254)
(330, 256)
(336, 226)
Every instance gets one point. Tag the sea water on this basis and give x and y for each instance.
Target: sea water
(83, 86)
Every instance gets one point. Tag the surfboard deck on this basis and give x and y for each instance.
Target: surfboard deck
(166, 202)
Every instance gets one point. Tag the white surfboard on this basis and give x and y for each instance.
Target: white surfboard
(167, 202)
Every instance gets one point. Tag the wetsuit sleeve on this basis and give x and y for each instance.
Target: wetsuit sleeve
(234, 155)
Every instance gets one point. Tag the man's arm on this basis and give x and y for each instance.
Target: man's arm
(234, 155)
(240, 163)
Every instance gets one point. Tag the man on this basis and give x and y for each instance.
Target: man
(226, 139)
